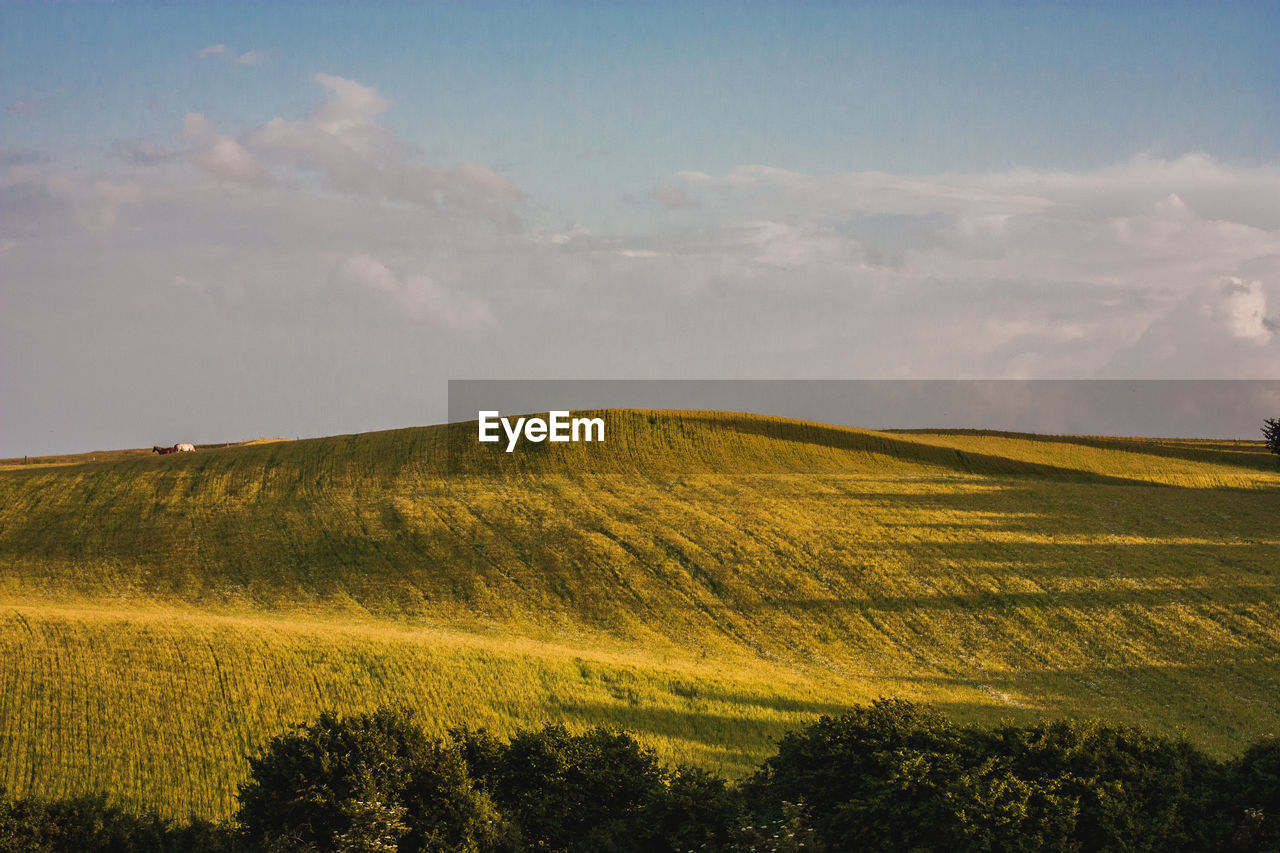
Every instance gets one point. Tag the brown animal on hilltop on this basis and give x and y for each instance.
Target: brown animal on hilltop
(162, 450)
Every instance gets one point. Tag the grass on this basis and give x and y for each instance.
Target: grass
(705, 580)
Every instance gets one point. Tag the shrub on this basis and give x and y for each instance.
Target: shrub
(696, 810)
(366, 779)
(897, 776)
(89, 824)
(599, 791)
(889, 776)
(871, 778)
(1108, 787)
(790, 833)
(577, 792)
(1252, 798)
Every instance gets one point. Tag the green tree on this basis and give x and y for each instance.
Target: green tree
(1271, 434)
(1251, 804)
(790, 833)
(1110, 787)
(869, 779)
(600, 791)
(89, 824)
(899, 776)
(695, 810)
(24, 829)
(312, 788)
(565, 792)
(376, 827)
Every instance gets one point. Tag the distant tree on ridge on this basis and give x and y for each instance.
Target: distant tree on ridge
(1271, 434)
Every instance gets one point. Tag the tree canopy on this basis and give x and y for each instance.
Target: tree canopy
(1271, 434)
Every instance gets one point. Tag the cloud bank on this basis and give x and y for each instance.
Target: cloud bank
(315, 274)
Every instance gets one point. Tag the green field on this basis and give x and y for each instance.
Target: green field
(705, 580)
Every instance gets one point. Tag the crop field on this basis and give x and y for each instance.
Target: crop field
(705, 580)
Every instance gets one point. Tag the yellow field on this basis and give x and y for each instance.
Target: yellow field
(706, 581)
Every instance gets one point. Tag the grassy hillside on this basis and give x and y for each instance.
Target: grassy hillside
(706, 580)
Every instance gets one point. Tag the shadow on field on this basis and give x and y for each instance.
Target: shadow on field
(1044, 563)
(1260, 669)
(1045, 508)
(961, 461)
(937, 550)
(1252, 456)
(1079, 600)
(705, 726)
(1224, 705)
(784, 704)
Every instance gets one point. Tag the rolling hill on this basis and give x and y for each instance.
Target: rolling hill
(705, 580)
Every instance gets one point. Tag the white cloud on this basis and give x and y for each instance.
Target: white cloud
(348, 109)
(1215, 190)
(1242, 309)
(1220, 330)
(307, 304)
(220, 156)
(342, 142)
(364, 271)
(673, 198)
(313, 300)
(577, 232)
(1155, 230)
(225, 53)
(96, 204)
(418, 297)
(141, 152)
(196, 128)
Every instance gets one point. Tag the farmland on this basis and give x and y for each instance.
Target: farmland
(704, 580)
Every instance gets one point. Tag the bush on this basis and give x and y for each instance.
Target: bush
(1251, 801)
(1111, 787)
(897, 776)
(888, 776)
(600, 791)
(873, 778)
(696, 810)
(91, 825)
(571, 792)
(790, 833)
(362, 781)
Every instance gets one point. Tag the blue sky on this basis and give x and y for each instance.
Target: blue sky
(436, 190)
(812, 87)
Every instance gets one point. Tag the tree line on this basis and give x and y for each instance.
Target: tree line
(891, 775)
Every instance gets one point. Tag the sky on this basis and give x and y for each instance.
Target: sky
(227, 221)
